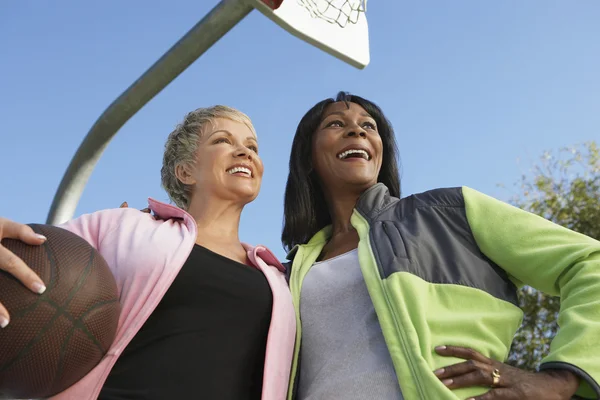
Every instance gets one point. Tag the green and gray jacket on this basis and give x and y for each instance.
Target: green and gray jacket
(443, 268)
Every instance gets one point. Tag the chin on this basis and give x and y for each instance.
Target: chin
(246, 195)
(359, 180)
(251, 197)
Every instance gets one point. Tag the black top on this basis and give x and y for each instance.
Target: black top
(205, 340)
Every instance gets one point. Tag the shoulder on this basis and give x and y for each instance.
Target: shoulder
(115, 216)
(441, 197)
(377, 202)
(118, 219)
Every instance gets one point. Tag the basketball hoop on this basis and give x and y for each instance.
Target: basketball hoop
(339, 12)
(338, 27)
(334, 26)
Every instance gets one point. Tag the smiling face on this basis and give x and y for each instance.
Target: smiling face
(346, 149)
(226, 165)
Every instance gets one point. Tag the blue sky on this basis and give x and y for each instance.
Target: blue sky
(470, 86)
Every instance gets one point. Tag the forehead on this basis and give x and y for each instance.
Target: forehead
(236, 128)
(341, 107)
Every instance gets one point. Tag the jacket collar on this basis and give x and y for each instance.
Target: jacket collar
(370, 203)
(374, 200)
(168, 211)
(263, 253)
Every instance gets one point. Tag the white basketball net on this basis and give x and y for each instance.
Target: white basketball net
(339, 12)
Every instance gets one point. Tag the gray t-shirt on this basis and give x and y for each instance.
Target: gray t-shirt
(343, 352)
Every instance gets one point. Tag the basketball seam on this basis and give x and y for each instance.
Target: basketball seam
(59, 310)
(90, 326)
(78, 324)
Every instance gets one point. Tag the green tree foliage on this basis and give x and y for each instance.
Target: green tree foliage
(564, 188)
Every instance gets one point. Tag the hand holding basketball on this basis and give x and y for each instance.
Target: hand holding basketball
(13, 264)
(53, 339)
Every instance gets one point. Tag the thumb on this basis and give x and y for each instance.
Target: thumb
(124, 205)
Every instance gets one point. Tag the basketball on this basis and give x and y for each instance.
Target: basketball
(56, 338)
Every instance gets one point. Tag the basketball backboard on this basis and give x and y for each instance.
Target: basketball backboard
(348, 41)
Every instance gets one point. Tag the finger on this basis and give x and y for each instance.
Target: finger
(458, 369)
(478, 377)
(499, 394)
(145, 210)
(462, 352)
(14, 230)
(4, 317)
(124, 205)
(12, 264)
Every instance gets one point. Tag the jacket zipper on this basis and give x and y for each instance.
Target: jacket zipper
(413, 370)
(399, 331)
(292, 390)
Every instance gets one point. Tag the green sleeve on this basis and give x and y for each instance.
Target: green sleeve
(557, 261)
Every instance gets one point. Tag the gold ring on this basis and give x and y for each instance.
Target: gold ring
(495, 377)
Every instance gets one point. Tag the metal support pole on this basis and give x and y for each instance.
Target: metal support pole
(200, 38)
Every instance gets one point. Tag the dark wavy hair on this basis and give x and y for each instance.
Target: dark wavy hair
(305, 208)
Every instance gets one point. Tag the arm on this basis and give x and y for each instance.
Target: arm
(557, 261)
(93, 227)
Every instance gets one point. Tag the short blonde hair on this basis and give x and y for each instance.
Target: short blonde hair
(182, 144)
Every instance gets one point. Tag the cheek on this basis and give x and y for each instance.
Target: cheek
(379, 146)
(318, 151)
(318, 164)
(203, 169)
(321, 141)
(260, 168)
(208, 165)
(322, 144)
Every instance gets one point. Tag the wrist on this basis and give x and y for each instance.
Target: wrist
(567, 381)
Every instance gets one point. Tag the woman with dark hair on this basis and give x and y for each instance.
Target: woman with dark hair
(416, 298)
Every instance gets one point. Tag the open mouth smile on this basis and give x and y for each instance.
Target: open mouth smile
(354, 153)
(240, 170)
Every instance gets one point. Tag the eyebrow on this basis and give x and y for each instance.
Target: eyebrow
(364, 114)
(229, 134)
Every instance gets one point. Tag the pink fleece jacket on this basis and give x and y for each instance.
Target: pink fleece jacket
(145, 255)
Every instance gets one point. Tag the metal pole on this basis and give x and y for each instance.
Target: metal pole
(200, 38)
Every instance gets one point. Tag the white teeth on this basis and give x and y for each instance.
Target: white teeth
(346, 153)
(235, 170)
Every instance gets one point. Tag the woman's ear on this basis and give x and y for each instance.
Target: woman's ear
(184, 174)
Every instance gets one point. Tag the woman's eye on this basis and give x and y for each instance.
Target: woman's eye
(254, 149)
(370, 125)
(335, 123)
(222, 140)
